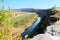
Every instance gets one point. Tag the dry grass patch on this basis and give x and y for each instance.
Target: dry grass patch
(57, 23)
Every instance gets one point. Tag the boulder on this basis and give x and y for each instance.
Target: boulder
(53, 30)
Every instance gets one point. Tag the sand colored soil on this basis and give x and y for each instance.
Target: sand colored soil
(57, 23)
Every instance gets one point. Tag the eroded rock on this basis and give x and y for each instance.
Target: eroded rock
(45, 37)
(53, 30)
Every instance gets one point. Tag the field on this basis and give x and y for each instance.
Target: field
(14, 25)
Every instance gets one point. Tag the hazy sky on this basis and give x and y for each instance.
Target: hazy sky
(42, 4)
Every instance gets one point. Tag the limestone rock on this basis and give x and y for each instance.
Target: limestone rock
(53, 30)
(45, 37)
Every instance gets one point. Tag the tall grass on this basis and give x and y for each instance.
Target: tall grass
(6, 22)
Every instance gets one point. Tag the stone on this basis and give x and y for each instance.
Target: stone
(45, 37)
(53, 30)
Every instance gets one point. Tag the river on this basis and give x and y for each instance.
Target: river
(31, 28)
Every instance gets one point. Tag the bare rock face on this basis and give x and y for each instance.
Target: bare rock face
(41, 37)
(45, 37)
(52, 33)
(53, 30)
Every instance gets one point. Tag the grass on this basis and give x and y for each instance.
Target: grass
(17, 19)
(20, 21)
(57, 23)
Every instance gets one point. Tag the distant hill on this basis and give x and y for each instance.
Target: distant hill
(25, 10)
(40, 12)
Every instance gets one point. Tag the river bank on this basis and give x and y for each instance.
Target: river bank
(31, 28)
(18, 25)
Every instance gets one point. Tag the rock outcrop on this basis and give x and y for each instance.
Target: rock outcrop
(54, 30)
(45, 37)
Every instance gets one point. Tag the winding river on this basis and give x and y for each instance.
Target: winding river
(31, 28)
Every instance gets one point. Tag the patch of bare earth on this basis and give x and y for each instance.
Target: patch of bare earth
(57, 23)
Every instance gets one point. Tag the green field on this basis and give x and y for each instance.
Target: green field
(17, 19)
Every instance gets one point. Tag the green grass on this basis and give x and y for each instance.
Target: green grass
(17, 19)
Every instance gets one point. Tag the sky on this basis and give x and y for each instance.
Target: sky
(38, 4)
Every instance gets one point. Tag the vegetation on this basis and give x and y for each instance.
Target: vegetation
(8, 22)
(12, 24)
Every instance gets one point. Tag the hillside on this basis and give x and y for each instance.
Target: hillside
(49, 28)
(19, 21)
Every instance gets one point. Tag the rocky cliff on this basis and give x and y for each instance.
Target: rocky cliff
(52, 30)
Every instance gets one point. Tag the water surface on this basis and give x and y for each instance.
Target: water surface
(31, 28)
